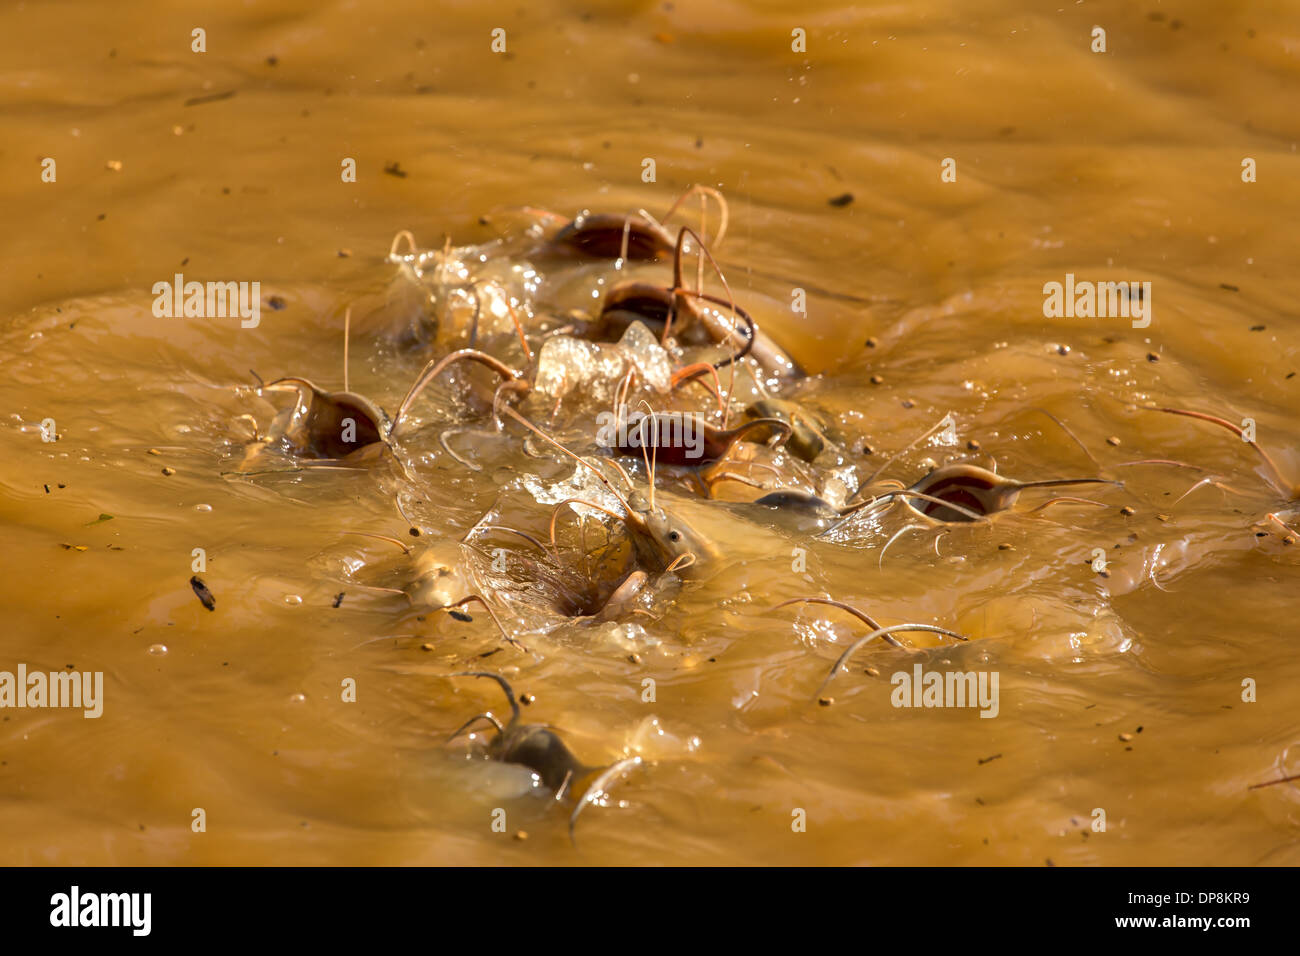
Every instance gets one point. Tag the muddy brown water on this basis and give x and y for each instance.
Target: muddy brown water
(1117, 166)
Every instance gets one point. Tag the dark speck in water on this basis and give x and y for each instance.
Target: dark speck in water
(204, 595)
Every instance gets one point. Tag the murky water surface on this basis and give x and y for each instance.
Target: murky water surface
(1119, 693)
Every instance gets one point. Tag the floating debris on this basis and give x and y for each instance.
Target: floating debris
(203, 594)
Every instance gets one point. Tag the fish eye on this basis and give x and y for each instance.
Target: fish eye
(674, 536)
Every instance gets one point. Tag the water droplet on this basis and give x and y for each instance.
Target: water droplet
(205, 508)
(298, 698)
(157, 650)
(292, 599)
